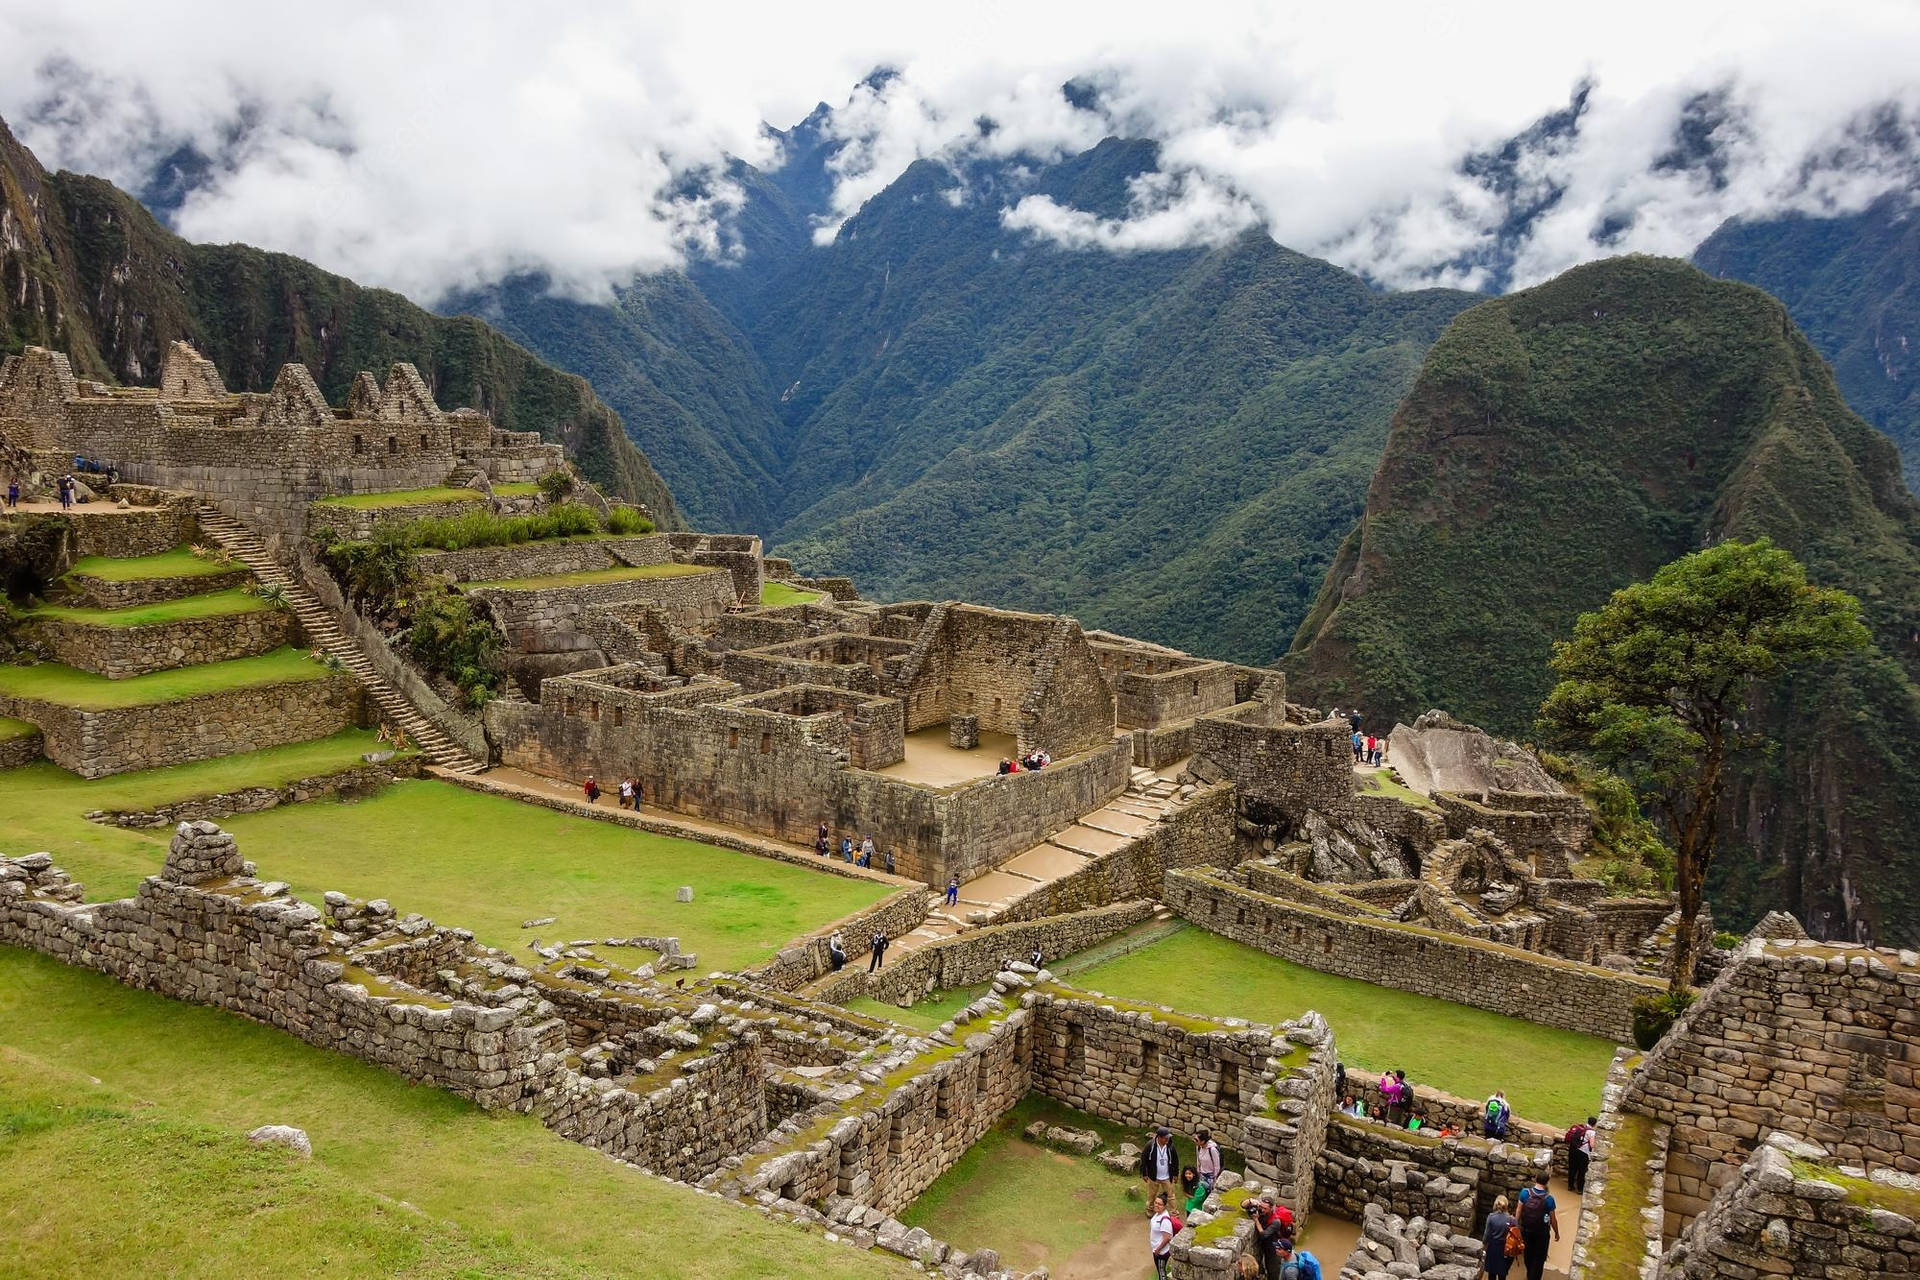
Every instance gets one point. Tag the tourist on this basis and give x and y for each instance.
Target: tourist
(1416, 1122)
(625, 800)
(1389, 1098)
(836, 953)
(1193, 1192)
(889, 861)
(1497, 1254)
(1006, 766)
(846, 847)
(866, 851)
(1206, 1157)
(1248, 1268)
(1160, 1235)
(879, 947)
(822, 842)
(1272, 1223)
(1037, 959)
(1539, 1225)
(592, 790)
(1340, 1079)
(1160, 1163)
(1013, 766)
(1373, 744)
(1358, 743)
(66, 492)
(13, 494)
(1402, 1100)
(633, 785)
(953, 890)
(1349, 1105)
(1295, 1264)
(1499, 1115)
(1579, 1154)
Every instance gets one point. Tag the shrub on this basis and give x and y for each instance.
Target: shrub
(556, 485)
(1726, 941)
(377, 573)
(1653, 1015)
(571, 518)
(485, 529)
(451, 639)
(628, 520)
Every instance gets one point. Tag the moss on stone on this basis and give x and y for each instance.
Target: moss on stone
(1620, 1243)
(1863, 1192)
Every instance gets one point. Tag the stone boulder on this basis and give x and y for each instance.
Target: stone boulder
(282, 1135)
(1439, 753)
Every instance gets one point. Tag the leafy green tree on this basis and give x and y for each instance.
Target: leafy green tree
(1656, 685)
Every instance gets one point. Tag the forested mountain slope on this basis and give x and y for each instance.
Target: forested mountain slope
(1853, 285)
(1566, 440)
(86, 269)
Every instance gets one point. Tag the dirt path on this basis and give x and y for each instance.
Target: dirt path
(1119, 1254)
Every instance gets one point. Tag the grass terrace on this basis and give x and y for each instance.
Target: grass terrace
(402, 498)
(1381, 783)
(45, 805)
(11, 728)
(487, 863)
(177, 563)
(927, 1014)
(1550, 1075)
(780, 594)
(211, 605)
(103, 1086)
(623, 573)
(68, 687)
(516, 489)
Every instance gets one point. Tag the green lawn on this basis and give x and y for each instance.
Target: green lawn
(1550, 1075)
(1380, 783)
(516, 489)
(779, 593)
(58, 683)
(43, 805)
(212, 604)
(11, 728)
(486, 863)
(123, 1112)
(177, 563)
(619, 573)
(1037, 1206)
(402, 498)
(927, 1014)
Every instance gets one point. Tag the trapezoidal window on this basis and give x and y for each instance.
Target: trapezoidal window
(733, 737)
(766, 743)
(1076, 1048)
(619, 716)
(393, 444)
(1149, 1059)
(593, 712)
(359, 444)
(1230, 1083)
(423, 439)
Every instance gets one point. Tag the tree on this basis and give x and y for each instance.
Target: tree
(1657, 686)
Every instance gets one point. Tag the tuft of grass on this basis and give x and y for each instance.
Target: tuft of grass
(58, 683)
(402, 498)
(210, 605)
(622, 573)
(926, 1014)
(486, 863)
(177, 563)
(779, 593)
(1550, 1075)
(404, 1179)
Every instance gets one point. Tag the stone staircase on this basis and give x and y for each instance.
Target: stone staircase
(324, 633)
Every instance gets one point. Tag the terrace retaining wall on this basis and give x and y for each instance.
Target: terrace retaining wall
(101, 593)
(121, 652)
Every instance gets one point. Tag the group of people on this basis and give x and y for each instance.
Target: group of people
(1173, 1202)
(863, 857)
(626, 792)
(876, 951)
(1368, 749)
(1032, 762)
(1527, 1234)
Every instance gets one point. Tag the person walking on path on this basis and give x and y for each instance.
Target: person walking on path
(1495, 1259)
(1160, 1235)
(592, 790)
(846, 847)
(889, 861)
(879, 947)
(1499, 1115)
(1206, 1158)
(836, 953)
(1579, 1154)
(953, 890)
(13, 494)
(1539, 1225)
(1160, 1163)
(822, 842)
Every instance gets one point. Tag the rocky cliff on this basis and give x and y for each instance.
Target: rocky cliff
(86, 269)
(1566, 440)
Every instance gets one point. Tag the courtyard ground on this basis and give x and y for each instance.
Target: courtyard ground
(780, 594)
(487, 864)
(124, 1112)
(1550, 1075)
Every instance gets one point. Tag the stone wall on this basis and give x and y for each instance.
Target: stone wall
(1556, 993)
(551, 619)
(1813, 1040)
(99, 593)
(976, 955)
(120, 652)
(19, 748)
(1548, 831)
(807, 959)
(1283, 1139)
(537, 559)
(1361, 1156)
(986, 822)
(95, 743)
(1289, 767)
(360, 780)
(122, 533)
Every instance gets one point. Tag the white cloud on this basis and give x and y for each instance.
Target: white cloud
(433, 144)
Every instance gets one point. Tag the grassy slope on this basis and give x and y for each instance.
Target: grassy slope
(44, 805)
(212, 604)
(1550, 1075)
(56, 682)
(486, 864)
(779, 593)
(402, 498)
(98, 277)
(11, 728)
(177, 563)
(403, 1178)
(1572, 438)
(622, 573)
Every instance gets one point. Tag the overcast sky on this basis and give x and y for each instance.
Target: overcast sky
(425, 146)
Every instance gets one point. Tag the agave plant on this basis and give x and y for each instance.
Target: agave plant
(274, 595)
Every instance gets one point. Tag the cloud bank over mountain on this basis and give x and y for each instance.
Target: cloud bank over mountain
(434, 145)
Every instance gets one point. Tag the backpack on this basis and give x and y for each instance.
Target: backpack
(1179, 1223)
(1514, 1245)
(1533, 1208)
(1576, 1137)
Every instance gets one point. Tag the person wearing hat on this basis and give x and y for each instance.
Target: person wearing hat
(1160, 1164)
(1295, 1264)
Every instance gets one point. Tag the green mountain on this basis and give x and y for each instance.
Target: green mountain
(1169, 442)
(1853, 284)
(85, 268)
(1563, 441)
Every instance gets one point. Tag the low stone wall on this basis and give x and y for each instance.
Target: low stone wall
(1159, 747)
(121, 533)
(977, 955)
(537, 559)
(99, 593)
(1625, 1189)
(1347, 1180)
(808, 959)
(986, 822)
(1521, 984)
(360, 780)
(550, 619)
(354, 523)
(1277, 882)
(1360, 1154)
(122, 652)
(20, 748)
(1446, 1110)
(1199, 833)
(95, 743)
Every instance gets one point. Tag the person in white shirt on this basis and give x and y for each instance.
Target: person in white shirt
(1160, 1237)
